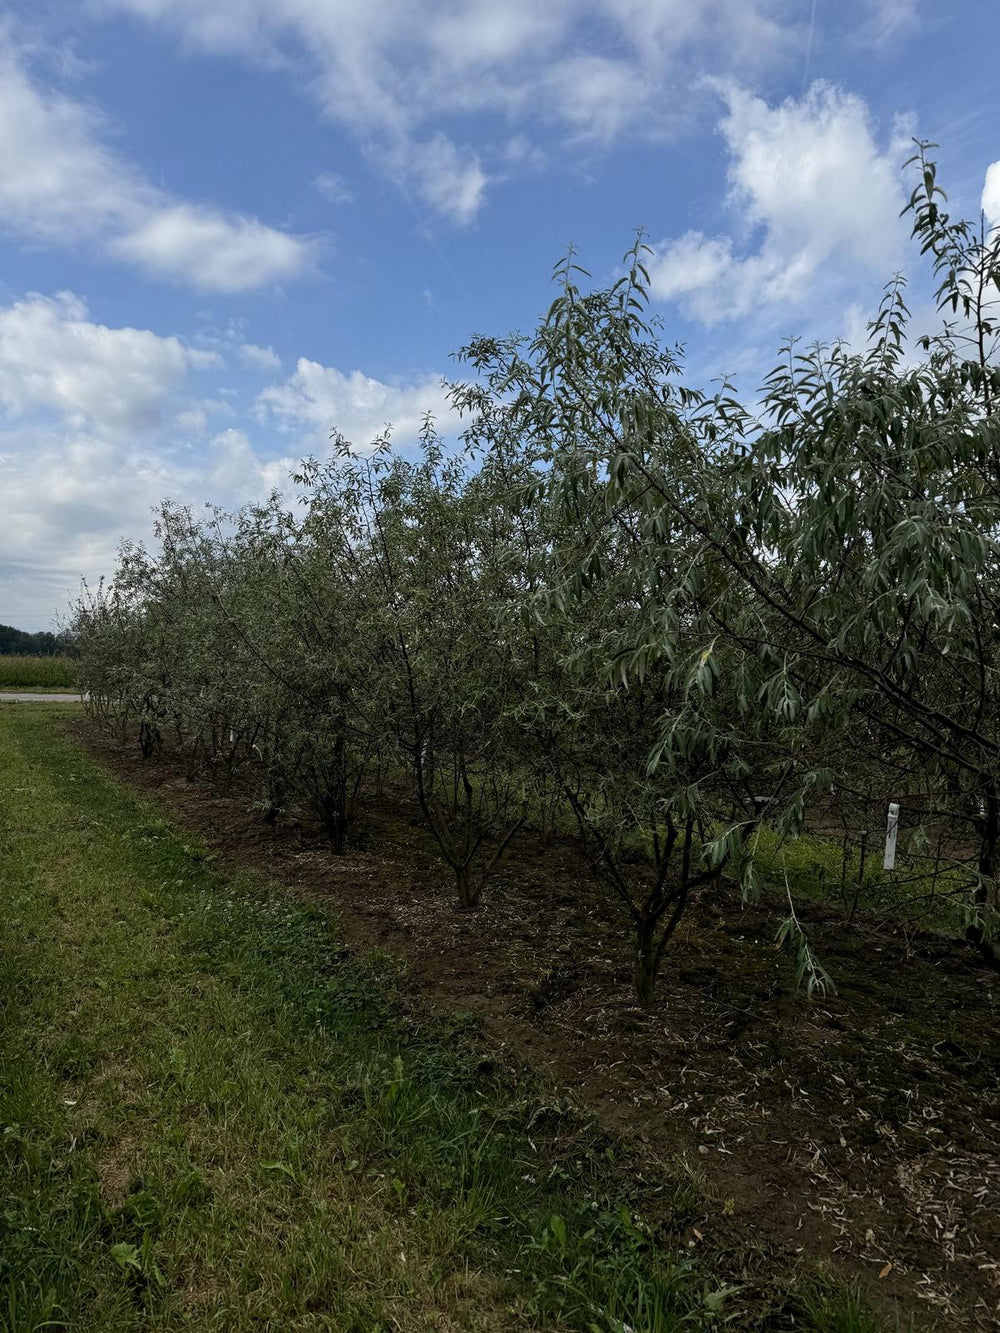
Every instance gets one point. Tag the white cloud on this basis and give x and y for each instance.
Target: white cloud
(520, 151)
(96, 491)
(888, 21)
(61, 184)
(451, 181)
(98, 425)
(95, 430)
(819, 201)
(238, 473)
(53, 358)
(333, 187)
(192, 421)
(212, 252)
(691, 266)
(598, 97)
(318, 399)
(260, 358)
(991, 194)
(402, 73)
(102, 484)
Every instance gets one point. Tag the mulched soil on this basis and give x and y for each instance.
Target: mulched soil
(862, 1129)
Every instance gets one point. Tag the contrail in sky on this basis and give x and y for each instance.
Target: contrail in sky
(809, 46)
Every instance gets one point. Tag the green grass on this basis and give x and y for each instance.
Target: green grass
(814, 868)
(829, 1309)
(36, 673)
(212, 1116)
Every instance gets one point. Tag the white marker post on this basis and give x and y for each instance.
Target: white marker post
(891, 829)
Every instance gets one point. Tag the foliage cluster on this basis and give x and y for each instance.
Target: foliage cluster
(625, 604)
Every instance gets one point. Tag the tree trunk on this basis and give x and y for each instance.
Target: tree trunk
(646, 962)
(274, 787)
(149, 739)
(468, 889)
(988, 865)
(335, 827)
(335, 803)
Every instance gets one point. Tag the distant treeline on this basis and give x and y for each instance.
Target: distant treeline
(42, 644)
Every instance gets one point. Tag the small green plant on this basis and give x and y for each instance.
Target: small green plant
(601, 1273)
(138, 1260)
(833, 1308)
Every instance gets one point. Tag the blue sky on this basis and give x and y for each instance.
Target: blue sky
(229, 226)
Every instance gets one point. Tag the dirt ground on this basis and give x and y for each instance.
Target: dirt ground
(862, 1129)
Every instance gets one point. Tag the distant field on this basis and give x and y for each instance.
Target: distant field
(54, 673)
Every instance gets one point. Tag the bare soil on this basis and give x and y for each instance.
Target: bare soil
(861, 1129)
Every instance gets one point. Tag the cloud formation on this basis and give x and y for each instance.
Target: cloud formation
(98, 489)
(53, 358)
(96, 427)
(405, 75)
(317, 399)
(61, 184)
(259, 358)
(99, 424)
(812, 194)
(991, 194)
(889, 20)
